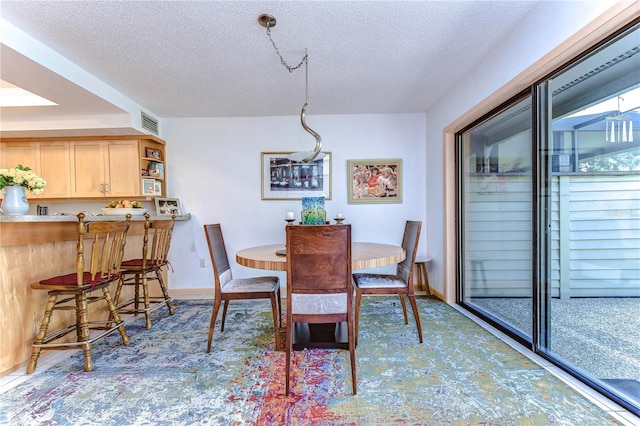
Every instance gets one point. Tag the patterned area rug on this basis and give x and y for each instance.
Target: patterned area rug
(460, 375)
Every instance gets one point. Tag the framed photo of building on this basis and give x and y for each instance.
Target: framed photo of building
(287, 179)
(168, 206)
(374, 181)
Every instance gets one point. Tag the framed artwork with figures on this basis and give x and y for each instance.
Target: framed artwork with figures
(374, 181)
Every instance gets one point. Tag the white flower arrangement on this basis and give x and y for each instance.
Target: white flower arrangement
(22, 176)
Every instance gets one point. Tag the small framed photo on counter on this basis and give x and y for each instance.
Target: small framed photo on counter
(168, 206)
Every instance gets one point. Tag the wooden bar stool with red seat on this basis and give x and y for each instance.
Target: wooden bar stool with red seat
(138, 272)
(106, 241)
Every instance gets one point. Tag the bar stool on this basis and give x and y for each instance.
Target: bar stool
(106, 241)
(138, 272)
(423, 274)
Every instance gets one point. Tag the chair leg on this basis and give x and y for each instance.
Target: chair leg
(352, 353)
(276, 314)
(116, 297)
(289, 347)
(357, 321)
(279, 308)
(165, 293)
(136, 294)
(114, 314)
(224, 314)
(416, 315)
(404, 309)
(82, 325)
(42, 332)
(145, 295)
(214, 314)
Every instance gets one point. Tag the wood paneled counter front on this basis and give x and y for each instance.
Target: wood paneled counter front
(33, 248)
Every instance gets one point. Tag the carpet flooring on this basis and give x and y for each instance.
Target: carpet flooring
(460, 375)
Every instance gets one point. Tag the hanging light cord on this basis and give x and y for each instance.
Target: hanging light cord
(305, 60)
(282, 61)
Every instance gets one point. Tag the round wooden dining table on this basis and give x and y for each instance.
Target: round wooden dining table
(363, 256)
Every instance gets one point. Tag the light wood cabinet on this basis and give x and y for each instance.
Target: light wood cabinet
(113, 167)
(13, 154)
(105, 169)
(50, 159)
(55, 164)
(21, 153)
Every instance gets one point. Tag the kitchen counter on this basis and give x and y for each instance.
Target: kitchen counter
(73, 218)
(33, 248)
(31, 229)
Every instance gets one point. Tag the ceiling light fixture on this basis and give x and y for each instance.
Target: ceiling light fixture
(269, 22)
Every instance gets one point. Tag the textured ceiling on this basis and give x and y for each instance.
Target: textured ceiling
(212, 58)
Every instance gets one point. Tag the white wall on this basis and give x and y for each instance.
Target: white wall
(547, 26)
(214, 167)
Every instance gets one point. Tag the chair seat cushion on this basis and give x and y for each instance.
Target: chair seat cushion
(71, 280)
(319, 303)
(378, 281)
(254, 284)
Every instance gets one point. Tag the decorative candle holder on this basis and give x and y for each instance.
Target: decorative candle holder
(290, 221)
(339, 220)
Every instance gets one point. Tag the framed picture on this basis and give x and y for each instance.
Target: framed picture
(156, 169)
(286, 179)
(168, 206)
(157, 187)
(375, 181)
(153, 153)
(148, 187)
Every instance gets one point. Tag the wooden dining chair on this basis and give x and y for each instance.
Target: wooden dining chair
(400, 283)
(95, 270)
(227, 288)
(319, 283)
(138, 272)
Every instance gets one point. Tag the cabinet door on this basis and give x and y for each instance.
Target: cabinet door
(123, 169)
(55, 168)
(13, 154)
(88, 169)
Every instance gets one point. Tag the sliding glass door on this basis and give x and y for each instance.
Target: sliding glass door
(496, 201)
(549, 207)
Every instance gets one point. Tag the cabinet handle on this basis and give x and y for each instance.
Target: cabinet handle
(106, 188)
